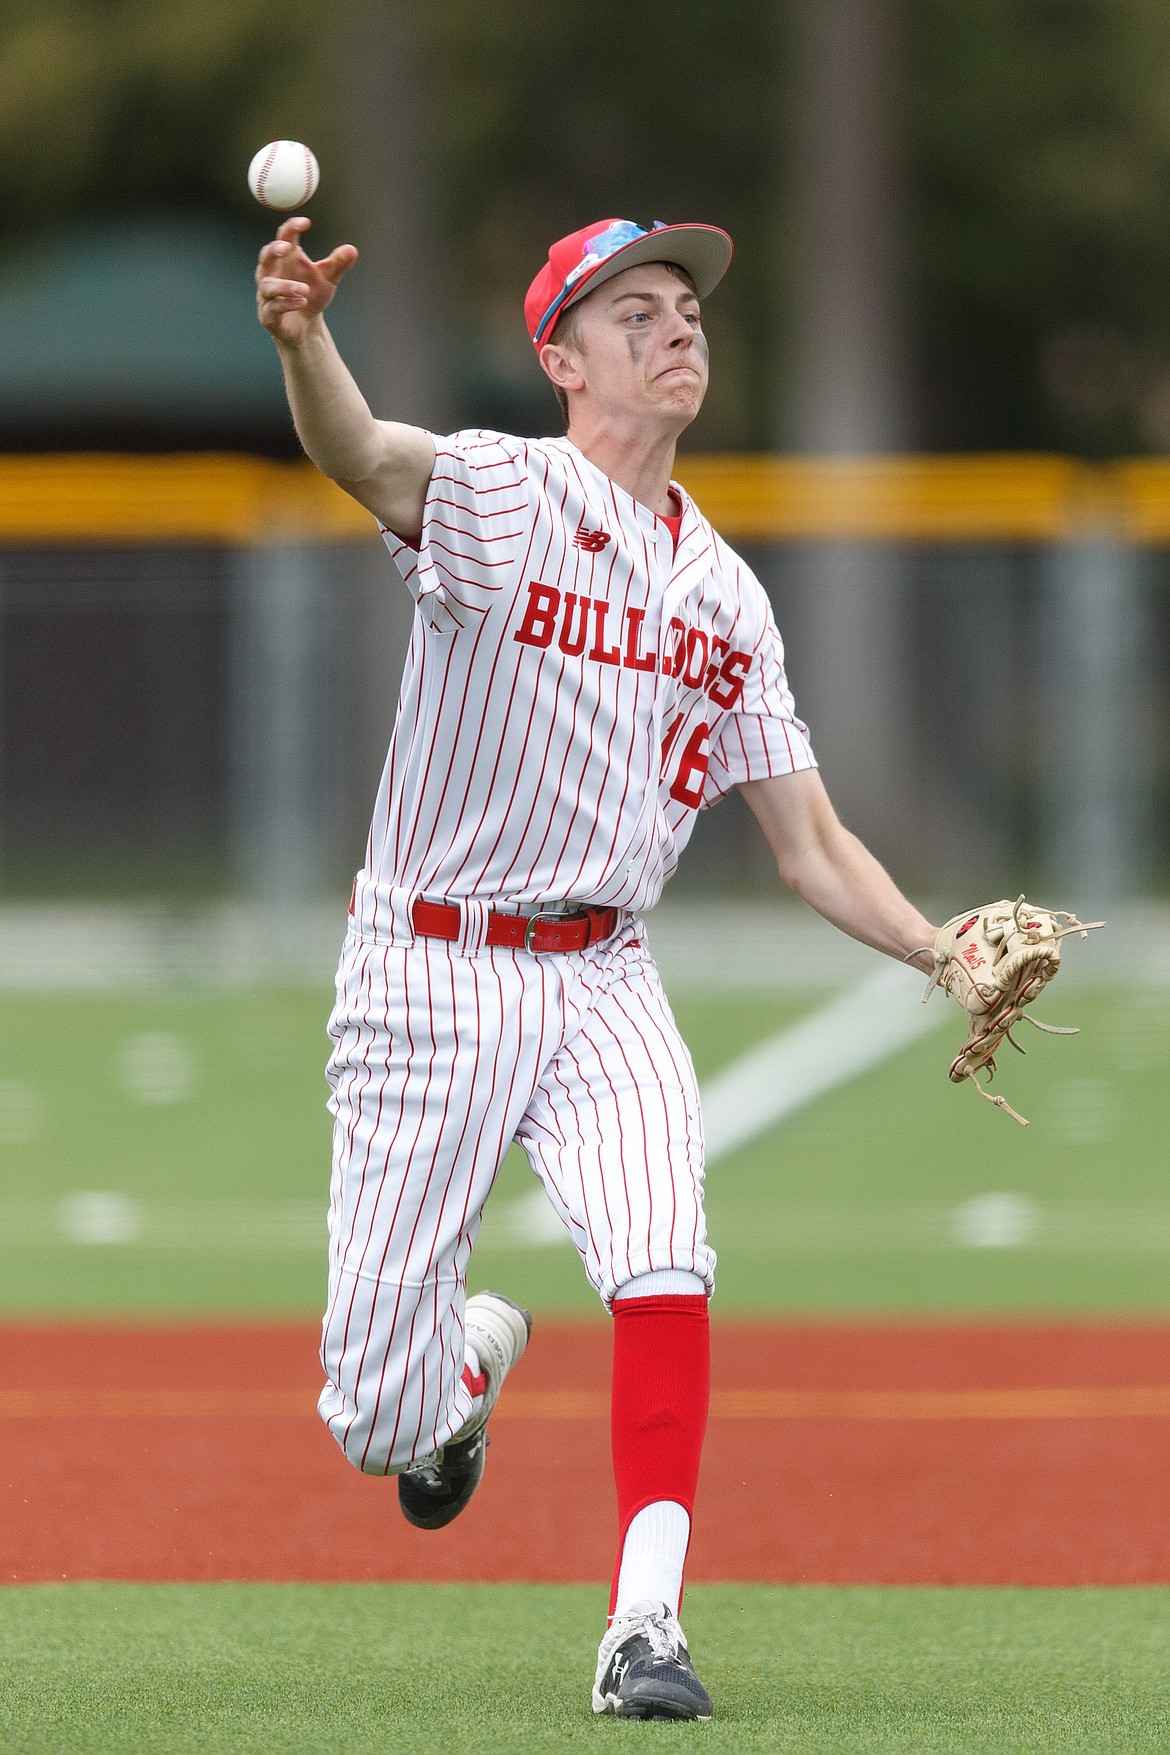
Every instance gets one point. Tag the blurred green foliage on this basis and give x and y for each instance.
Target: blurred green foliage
(109, 105)
(1036, 157)
(1038, 163)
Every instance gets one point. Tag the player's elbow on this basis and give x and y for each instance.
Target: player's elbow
(797, 818)
(826, 847)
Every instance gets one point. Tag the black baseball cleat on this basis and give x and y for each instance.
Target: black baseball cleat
(435, 1489)
(644, 1669)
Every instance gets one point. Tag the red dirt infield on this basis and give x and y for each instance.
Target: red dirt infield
(895, 1454)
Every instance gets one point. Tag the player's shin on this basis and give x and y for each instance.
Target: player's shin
(661, 1382)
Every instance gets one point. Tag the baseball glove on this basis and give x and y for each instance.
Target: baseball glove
(995, 960)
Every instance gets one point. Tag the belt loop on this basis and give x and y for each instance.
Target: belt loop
(473, 920)
(380, 913)
(398, 925)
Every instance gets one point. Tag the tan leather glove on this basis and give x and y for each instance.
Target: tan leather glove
(995, 960)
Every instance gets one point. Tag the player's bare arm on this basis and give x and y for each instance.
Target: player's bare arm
(830, 869)
(385, 465)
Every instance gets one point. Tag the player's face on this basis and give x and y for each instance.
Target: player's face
(640, 347)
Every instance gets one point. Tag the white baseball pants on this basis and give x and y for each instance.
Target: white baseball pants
(443, 1054)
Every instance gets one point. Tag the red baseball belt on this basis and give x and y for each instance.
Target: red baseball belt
(521, 932)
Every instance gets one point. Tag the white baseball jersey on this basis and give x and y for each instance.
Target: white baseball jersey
(576, 690)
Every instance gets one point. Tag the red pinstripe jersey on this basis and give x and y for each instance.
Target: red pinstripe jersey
(576, 688)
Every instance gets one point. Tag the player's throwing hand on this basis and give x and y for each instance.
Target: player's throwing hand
(292, 289)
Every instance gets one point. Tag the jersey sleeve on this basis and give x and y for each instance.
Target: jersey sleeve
(476, 520)
(760, 735)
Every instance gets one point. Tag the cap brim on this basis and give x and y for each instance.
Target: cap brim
(705, 251)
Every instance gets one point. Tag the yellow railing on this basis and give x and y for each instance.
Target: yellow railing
(93, 498)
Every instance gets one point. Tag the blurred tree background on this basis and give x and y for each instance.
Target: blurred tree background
(949, 219)
(1032, 157)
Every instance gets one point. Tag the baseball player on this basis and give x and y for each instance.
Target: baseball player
(590, 665)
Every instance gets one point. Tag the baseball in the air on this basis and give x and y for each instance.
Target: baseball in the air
(283, 174)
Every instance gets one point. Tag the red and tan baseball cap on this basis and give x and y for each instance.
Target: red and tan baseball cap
(583, 261)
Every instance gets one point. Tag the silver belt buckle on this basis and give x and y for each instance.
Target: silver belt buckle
(541, 914)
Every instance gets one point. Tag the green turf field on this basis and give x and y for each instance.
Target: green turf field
(170, 1152)
(506, 1669)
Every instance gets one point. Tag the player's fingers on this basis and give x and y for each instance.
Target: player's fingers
(267, 309)
(276, 319)
(269, 287)
(286, 245)
(280, 258)
(272, 311)
(338, 262)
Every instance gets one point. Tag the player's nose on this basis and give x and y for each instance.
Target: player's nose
(679, 332)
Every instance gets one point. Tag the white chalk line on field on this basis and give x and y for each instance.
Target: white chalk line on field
(856, 1031)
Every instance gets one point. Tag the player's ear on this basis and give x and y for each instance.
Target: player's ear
(562, 366)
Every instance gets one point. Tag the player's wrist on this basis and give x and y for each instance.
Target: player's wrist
(308, 335)
(917, 947)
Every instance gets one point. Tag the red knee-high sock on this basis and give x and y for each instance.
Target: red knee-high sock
(661, 1384)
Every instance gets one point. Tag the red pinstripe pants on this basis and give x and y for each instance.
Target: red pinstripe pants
(441, 1058)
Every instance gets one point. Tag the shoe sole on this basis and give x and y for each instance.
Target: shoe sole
(418, 1507)
(659, 1710)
